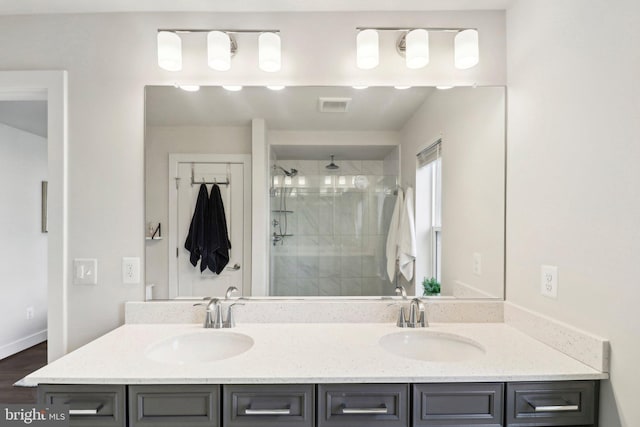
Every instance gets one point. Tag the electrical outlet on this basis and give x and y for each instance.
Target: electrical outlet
(30, 313)
(477, 264)
(130, 270)
(549, 281)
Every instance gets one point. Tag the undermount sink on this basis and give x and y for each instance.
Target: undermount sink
(199, 347)
(431, 346)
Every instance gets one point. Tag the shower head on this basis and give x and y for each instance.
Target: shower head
(289, 173)
(332, 165)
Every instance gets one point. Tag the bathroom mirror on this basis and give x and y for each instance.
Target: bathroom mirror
(336, 159)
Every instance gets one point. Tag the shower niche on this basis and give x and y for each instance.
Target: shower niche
(331, 206)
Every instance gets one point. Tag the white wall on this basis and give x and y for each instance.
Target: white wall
(111, 57)
(471, 123)
(295, 137)
(573, 175)
(23, 247)
(160, 141)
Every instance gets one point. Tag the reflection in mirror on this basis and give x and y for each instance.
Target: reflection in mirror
(337, 158)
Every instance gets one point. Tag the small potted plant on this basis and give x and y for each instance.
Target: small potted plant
(431, 287)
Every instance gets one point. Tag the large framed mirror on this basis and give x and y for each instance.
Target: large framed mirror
(337, 158)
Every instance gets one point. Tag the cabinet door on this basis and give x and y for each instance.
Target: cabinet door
(286, 405)
(89, 405)
(174, 405)
(360, 405)
(552, 403)
(458, 404)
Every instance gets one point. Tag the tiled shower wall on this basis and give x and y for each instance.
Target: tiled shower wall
(338, 230)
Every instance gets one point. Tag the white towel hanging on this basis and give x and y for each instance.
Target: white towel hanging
(407, 237)
(392, 237)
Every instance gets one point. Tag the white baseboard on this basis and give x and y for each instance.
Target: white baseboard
(22, 344)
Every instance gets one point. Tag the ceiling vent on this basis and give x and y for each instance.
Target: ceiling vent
(333, 105)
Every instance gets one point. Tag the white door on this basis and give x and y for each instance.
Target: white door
(191, 282)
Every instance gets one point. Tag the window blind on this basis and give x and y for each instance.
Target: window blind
(429, 154)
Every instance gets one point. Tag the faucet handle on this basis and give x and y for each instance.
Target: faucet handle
(402, 319)
(230, 322)
(230, 290)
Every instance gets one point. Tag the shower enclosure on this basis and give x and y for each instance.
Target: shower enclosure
(329, 223)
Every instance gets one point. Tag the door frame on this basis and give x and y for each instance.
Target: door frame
(174, 160)
(52, 86)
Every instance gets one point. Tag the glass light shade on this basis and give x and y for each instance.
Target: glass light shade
(169, 51)
(232, 88)
(269, 53)
(466, 49)
(219, 50)
(367, 49)
(275, 87)
(417, 49)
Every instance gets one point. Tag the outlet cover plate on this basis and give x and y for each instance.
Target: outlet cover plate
(130, 270)
(549, 281)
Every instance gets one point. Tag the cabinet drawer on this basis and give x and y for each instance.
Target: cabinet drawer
(565, 403)
(268, 405)
(174, 405)
(460, 405)
(89, 405)
(355, 405)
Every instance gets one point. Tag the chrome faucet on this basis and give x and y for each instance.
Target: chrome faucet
(417, 315)
(213, 316)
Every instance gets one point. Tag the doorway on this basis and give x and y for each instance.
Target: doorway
(50, 86)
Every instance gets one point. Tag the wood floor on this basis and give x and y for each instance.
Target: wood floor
(16, 367)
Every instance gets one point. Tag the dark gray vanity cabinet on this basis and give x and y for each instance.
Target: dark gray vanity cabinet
(458, 404)
(363, 405)
(513, 404)
(174, 405)
(286, 405)
(89, 405)
(563, 403)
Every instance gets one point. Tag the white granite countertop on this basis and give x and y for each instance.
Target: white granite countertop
(312, 353)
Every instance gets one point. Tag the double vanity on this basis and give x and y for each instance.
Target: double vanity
(318, 374)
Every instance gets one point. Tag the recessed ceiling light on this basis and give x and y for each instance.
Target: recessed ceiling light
(233, 88)
(359, 87)
(272, 87)
(402, 87)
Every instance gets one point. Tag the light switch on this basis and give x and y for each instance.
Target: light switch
(85, 271)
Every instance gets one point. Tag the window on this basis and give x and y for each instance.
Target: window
(429, 213)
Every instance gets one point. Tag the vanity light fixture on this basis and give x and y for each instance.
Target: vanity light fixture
(359, 87)
(417, 49)
(275, 87)
(232, 88)
(402, 87)
(444, 87)
(169, 51)
(221, 47)
(367, 49)
(413, 45)
(467, 50)
(269, 52)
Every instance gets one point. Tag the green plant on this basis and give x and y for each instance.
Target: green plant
(431, 286)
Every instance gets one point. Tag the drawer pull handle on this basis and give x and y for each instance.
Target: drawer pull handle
(363, 411)
(554, 408)
(89, 411)
(283, 411)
